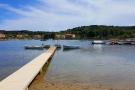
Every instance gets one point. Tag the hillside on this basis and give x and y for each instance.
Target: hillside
(102, 32)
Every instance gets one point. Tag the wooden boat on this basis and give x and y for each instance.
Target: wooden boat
(116, 43)
(122, 43)
(34, 47)
(98, 42)
(46, 46)
(127, 43)
(58, 46)
(66, 47)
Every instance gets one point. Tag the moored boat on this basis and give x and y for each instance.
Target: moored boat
(57, 46)
(34, 47)
(65, 47)
(98, 42)
(122, 42)
(46, 46)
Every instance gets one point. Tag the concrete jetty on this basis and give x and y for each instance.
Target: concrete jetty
(22, 78)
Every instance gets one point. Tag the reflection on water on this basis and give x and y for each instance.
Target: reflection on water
(95, 65)
(98, 47)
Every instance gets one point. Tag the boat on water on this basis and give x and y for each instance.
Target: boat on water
(116, 43)
(58, 46)
(98, 42)
(46, 46)
(34, 47)
(122, 42)
(67, 47)
(133, 43)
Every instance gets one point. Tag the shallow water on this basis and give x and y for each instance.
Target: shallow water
(13, 56)
(104, 66)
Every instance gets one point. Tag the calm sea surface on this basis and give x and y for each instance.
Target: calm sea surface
(95, 65)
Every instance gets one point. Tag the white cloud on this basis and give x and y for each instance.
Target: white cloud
(54, 15)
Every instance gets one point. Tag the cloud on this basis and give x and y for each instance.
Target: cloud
(52, 15)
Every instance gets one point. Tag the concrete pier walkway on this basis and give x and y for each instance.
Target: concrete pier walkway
(22, 78)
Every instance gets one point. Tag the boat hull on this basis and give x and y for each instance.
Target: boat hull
(34, 47)
(98, 42)
(65, 47)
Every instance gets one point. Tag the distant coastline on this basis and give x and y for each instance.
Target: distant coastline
(83, 32)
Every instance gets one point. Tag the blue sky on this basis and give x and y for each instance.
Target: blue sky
(56, 15)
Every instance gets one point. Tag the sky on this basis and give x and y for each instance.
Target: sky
(57, 15)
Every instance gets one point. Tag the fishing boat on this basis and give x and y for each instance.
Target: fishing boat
(117, 43)
(126, 43)
(57, 46)
(98, 42)
(66, 47)
(122, 42)
(34, 47)
(46, 46)
(133, 43)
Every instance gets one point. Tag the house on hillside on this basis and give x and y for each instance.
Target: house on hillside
(37, 36)
(69, 36)
(59, 36)
(2, 36)
(22, 36)
(65, 36)
(19, 36)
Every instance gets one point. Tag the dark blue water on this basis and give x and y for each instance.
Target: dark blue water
(95, 65)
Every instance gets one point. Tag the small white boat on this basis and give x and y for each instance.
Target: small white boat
(98, 42)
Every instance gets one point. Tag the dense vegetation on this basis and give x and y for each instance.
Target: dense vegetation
(28, 34)
(83, 32)
(103, 32)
